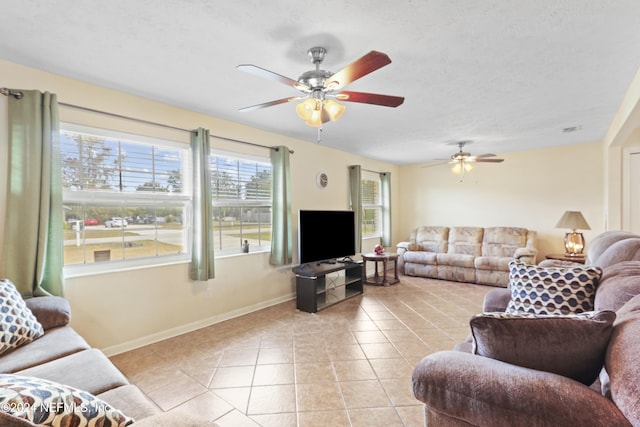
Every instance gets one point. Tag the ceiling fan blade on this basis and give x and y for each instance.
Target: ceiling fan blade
(270, 104)
(262, 72)
(484, 155)
(435, 164)
(489, 160)
(360, 67)
(370, 98)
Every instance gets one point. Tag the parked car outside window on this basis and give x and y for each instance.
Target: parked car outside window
(90, 221)
(116, 222)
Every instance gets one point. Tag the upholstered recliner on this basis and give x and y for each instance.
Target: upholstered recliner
(464, 389)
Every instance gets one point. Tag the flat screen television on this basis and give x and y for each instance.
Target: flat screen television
(325, 236)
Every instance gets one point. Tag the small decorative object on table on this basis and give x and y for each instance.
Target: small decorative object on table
(245, 247)
(378, 249)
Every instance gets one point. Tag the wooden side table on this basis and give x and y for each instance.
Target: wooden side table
(564, 257)
(380, 279)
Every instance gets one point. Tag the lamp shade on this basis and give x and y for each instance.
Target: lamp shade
(316, 111)
(573, 220)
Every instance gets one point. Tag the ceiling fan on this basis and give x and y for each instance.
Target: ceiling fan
(321, 88)
(463, 161)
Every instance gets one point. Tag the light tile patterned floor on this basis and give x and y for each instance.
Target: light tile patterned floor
(348, 365)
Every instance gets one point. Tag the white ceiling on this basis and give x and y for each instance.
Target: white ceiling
(509, 75)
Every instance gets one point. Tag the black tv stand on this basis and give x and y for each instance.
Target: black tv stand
(327, 261)
(319, 285)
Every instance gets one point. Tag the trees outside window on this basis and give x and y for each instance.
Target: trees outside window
(124, 197)
(241, 195)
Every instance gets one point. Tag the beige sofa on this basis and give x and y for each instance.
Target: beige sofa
(463, 389)
(466, 254)
(63, 357)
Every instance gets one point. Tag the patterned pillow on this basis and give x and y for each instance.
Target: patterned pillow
(47, 403)
(551, 290)
(573, 346)
(18, 325)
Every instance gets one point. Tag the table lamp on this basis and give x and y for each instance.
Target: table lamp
(573, 241)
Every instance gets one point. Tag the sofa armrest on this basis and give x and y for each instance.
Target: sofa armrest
(401, 248)
(403, 245)
(51, 311)
(496, 300)
(527, 255)
(486, 392)
(558, 263)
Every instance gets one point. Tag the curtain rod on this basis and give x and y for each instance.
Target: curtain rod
(17, 94)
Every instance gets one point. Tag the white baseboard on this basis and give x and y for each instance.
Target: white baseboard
(190, 327)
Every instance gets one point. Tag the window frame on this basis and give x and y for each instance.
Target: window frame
(372, 176)
(122, 199)
(219, 250)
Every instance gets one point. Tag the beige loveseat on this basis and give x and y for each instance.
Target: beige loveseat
(466, 254)
(460, 388)
(62, 359)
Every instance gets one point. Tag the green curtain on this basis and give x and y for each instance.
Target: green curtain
(281, 239)
(202, 251)
(385, 192)
(33, 234)
(355, 184)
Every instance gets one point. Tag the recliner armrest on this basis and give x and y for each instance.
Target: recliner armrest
(496, 300)
(485, 392)
(51, 311)
(403, 245)
(527, 255)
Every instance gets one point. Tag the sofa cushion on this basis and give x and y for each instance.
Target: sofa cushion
(56, 343)
(48, 403)
(455, 260)
(18, 325)
(420, 257)
(573, 346)
(623, 359)
(627, 248)
(51, 311)
(130, 400)
(492, 263)
(465, 240)
(619, 283)
(551, 290)
(503, 241)
(71, 370)
(433, 239)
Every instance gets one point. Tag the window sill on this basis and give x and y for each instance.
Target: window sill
(94, 269)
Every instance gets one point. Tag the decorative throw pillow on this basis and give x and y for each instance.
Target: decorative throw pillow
(551, 290)
(573, 346)
(48, 403)
(18, 325)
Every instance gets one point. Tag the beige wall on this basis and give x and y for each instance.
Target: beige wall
(622, 138)
(530, 189)
(121, 310)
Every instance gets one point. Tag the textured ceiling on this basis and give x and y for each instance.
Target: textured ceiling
(509, 75)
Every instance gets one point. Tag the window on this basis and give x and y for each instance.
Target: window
(371, 205)
(241, 196)
(125, 197)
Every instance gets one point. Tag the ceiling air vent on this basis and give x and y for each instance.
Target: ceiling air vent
(571, 129)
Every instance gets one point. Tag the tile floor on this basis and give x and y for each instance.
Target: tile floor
(347, 365)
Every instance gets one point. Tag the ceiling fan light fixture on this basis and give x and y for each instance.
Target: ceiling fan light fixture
(316, 111)
(335, 109)
(460, 166)
(317, 84)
